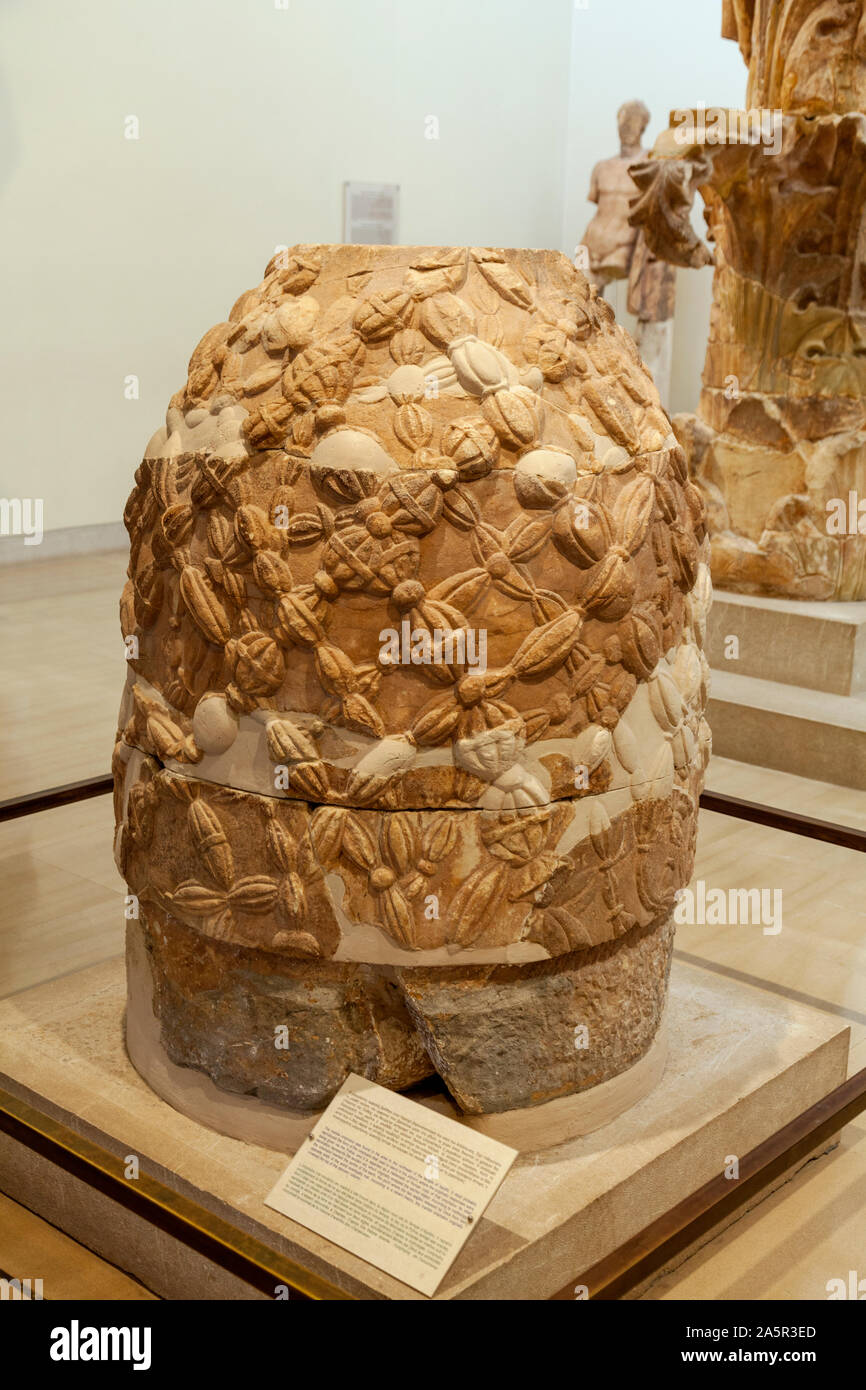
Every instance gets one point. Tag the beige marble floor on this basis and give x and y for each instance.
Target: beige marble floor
(63, 670)
(32, 1248)
(61, 898)
(61, 902)
(823, 800)
(814, 1228)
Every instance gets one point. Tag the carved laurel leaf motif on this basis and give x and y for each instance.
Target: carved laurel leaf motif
(262, 380)
(358, 713)
(306, 527)
(505, 281)
(343, 485)
(475, 902)
(211, 843)
(148, 594)
(197, 900)
(326, 831)
(463, 590)
(175, 525)
(525, 538)
(203, 605)
(633, 511)
(433, 275)
(310, 780)
(413, 426)
(272, 573)
(548, 646)
(436, 723)
(220, 534)
(336, 671)
(547, 605)
(140, 814)
(513, 416)
(252, 529)
(296, 622)
(398, 916)
(357, 843)
(299, 943)
(288, 742)
(308, 865)
(445, 318)
(448, 257)
(440, 839)
(559, 930)
(364, 787)
(532, 876)
(613, 411)
(254, 894)
(179, 788)
(460, 510)
(167, 739)
(398, 842)
(280, 846)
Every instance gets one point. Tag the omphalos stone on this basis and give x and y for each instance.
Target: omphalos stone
(412, 740)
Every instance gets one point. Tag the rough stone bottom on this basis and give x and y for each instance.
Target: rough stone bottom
(501, 1037)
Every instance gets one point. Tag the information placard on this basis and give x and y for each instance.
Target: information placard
(370, 213)
(392, 1181)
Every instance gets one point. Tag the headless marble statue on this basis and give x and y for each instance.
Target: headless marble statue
(614, 250)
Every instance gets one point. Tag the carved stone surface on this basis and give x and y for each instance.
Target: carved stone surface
(778, 446)
(415, 613)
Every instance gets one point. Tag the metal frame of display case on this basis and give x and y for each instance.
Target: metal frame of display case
(635, 1261)
(186, 1221)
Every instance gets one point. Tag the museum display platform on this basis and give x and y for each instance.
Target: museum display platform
(742, 1064)
(794, 696)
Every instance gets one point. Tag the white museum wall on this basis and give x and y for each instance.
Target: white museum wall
(120, 253)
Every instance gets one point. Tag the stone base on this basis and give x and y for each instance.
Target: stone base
(742, 1064)
(282, 1036)
(261, 1122)
(794, 698)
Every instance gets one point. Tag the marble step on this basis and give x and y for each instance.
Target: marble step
(807, 732)
(820, 646)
